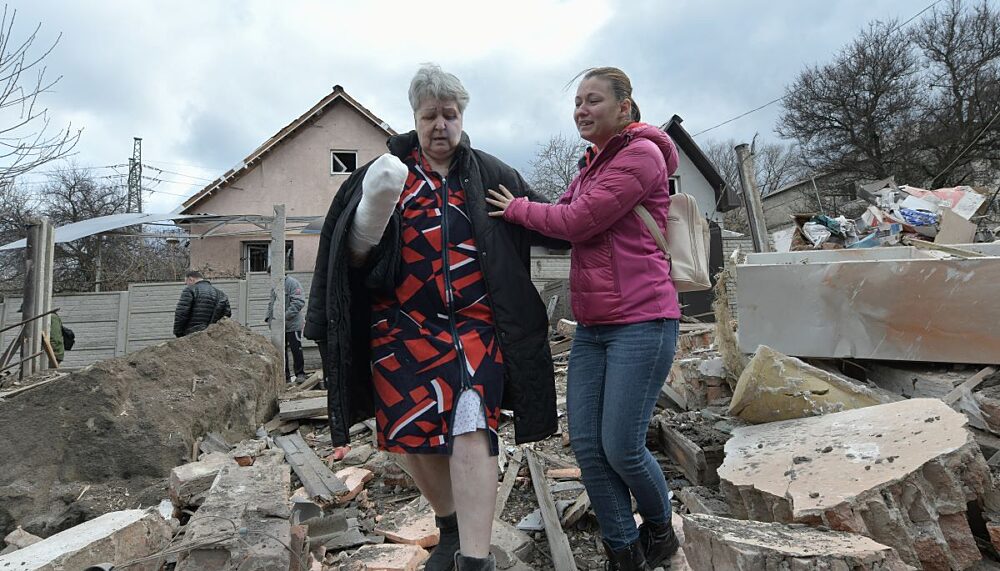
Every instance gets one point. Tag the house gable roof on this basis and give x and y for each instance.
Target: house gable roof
(286, 132)
(726, 197)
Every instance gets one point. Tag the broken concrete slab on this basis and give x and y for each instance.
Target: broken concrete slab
(244, 520)
(902, 474)
(19, 539)
(387, 557)
(847, 304)
(117, 537)
(506, 537)
(778, 387)
(354, 481)
(321, 484)
(704, 500)
(720, 543)
(359, 455)
(126, 419)
(190, 482)
(413, 525)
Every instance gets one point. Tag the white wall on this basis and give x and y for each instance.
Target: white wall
(692, 182)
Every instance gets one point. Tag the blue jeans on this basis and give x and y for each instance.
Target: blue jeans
(615, 376)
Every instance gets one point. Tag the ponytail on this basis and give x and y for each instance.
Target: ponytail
(636, 116)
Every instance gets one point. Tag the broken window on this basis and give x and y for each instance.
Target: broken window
(675, 185)
(257, 256)
(343, 161)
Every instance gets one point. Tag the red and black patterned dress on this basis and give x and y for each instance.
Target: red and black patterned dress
(434, 337)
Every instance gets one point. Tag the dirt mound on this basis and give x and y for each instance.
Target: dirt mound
(132, 418)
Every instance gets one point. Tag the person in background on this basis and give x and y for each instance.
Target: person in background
(201, 304)
(626, 308)
(427, 319)
(295, 303)
(56, 337)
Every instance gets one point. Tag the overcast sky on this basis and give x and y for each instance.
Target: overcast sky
(204, 82)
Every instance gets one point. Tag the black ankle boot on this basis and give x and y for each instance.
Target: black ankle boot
(443, 556)
(629, 558)
(463, 563)
(659, 543)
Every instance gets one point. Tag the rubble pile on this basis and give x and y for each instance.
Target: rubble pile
(77, 446)
(795, 466)
(893, 214)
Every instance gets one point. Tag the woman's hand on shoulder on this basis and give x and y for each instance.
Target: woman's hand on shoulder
(500, 199)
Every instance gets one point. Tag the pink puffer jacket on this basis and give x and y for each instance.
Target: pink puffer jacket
(618, 275)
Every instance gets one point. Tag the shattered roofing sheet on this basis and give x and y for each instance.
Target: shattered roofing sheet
(93, 226)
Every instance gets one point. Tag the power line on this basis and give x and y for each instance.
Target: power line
(969, 146)
(773, 101)
(187, 165)
(179, 173)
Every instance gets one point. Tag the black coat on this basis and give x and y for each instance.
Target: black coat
(200, 305)
(339, 313)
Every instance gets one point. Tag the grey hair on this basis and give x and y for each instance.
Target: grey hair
(431, 81)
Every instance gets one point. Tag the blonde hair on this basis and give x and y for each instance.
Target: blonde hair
(620, 84)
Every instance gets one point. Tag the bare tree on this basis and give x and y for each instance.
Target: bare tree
(111, 261)
(922, 105)
(776, 165)
(26, 138)
(960, 140)
(858, 114)
(555, 166)
(18, 207)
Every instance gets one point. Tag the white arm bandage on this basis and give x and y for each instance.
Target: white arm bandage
(380, 192)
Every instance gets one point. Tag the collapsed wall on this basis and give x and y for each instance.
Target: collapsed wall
(129, 418)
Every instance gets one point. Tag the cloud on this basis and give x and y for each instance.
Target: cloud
(204, 83)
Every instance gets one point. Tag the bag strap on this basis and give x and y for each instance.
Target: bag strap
(647, 219)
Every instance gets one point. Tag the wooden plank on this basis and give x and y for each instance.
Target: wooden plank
(689, 456)
(968, 385)
(557, 347)
(305, 408)
(562, 553)
(53, 362)
(320, 483)
(509, 479)
(311, 382)
(294, 395)
(8, 394)
(925, 245)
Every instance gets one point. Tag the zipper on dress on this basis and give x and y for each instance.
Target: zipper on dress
(448, 295)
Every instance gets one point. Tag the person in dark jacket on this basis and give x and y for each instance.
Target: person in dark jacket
(200, 305)
(426, 317)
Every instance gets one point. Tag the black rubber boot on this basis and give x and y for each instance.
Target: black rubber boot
(463, 563)
(629, 558)
(443, 556)
(659, 542)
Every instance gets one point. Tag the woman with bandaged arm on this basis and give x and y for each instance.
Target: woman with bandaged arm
(426, 318)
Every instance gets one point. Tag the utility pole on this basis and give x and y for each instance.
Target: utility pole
(751, 195)
(134, 197)
(277, 261)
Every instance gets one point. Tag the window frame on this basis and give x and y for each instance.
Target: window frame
(246, 245)
(334, 160)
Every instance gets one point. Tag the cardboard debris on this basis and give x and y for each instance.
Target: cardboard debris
(777, 387)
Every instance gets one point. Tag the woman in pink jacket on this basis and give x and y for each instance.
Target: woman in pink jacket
(627, 310)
